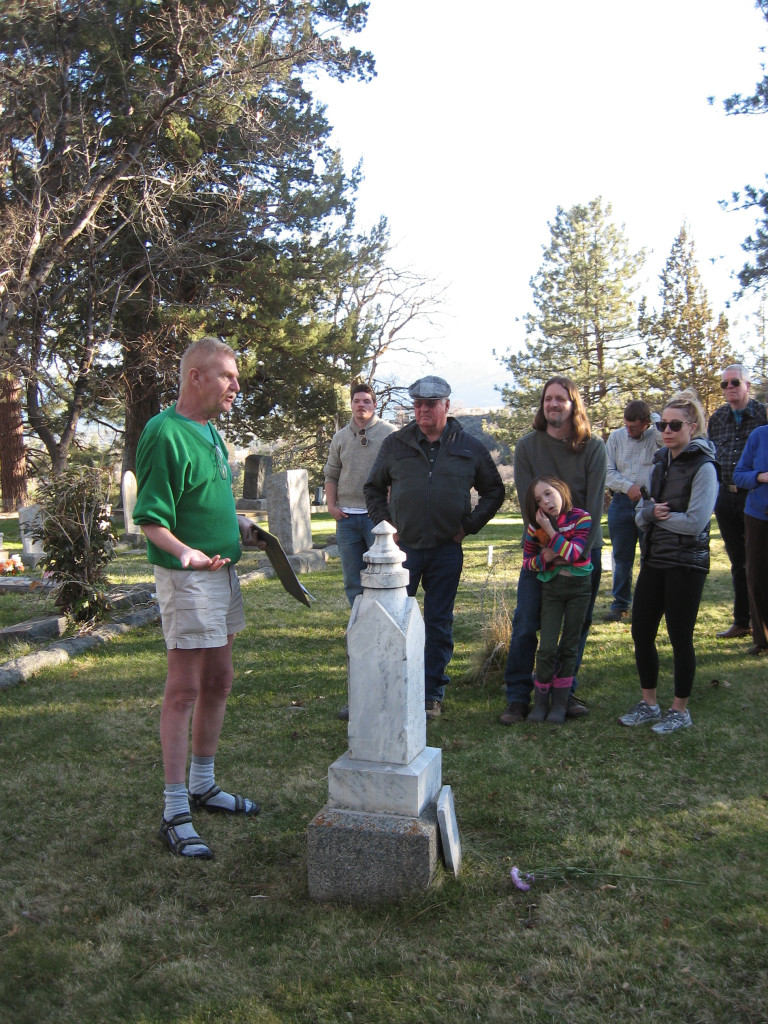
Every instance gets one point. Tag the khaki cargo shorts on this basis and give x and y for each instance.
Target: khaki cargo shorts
(199, 608)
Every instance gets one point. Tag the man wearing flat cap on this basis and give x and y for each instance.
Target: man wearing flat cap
(421, 483)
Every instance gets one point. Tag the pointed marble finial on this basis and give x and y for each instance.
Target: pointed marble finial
(385, 561)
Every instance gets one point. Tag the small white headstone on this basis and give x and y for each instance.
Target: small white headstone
(449, 830)
(30, 518)
(129, 501)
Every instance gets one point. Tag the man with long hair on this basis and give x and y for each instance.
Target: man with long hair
(560, 445)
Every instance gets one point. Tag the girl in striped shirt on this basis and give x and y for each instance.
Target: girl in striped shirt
(554, 548)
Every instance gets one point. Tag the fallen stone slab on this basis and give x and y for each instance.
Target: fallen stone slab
(23, 584)
(35, 629)
(131, 596)
(251, 504)
(20, 669)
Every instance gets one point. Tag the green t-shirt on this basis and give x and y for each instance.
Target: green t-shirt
(184, 483)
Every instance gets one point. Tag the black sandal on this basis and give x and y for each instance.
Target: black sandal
(178, 845)
(199, 801)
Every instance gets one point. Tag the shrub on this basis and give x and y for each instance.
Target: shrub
(78, 540)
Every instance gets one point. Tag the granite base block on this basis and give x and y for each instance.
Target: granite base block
(370, 858)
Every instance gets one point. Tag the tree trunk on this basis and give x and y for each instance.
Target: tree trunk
(142, 400)
(13, 459)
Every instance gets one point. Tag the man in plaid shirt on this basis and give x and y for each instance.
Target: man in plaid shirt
(729, 427)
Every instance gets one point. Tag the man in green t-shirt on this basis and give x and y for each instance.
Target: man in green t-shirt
(186, 509)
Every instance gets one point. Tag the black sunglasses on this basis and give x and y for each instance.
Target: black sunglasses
(734, 384)
(363, 438)
(674, 425)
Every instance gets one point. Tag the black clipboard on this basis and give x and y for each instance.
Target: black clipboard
(283, 568)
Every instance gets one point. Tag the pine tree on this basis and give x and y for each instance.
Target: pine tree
(150, 154)
(755, 271)
(687, 346)
(583, 323)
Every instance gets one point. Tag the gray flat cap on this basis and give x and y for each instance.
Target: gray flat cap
(430, 387)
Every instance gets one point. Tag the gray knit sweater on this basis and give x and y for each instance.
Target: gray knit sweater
(350, 462)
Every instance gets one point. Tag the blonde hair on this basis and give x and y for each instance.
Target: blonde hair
(688, 402)
(200, 354)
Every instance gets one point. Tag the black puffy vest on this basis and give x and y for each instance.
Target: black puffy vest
(671, 481)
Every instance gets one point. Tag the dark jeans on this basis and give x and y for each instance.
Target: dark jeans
(756, 531)
(624, 536)
(675, 594)
(526, 622)
(438, 570)
(354, 535)
(729, 513)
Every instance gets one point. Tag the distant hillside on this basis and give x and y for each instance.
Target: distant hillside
(473, 424)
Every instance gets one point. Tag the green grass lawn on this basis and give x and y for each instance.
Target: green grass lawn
(650, 853)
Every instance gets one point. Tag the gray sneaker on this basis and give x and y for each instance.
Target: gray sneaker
(673, 720)
(640, 714)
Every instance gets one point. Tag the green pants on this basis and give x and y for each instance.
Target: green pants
(564, 603)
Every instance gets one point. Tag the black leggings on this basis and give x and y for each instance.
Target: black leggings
(675, 594)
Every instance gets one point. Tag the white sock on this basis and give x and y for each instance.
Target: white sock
(202, 778)
(201, 775)
(177, 802)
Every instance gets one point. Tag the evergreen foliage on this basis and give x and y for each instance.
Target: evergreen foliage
(687, 347)
(755, 271)
(583, 324)
(165, 172)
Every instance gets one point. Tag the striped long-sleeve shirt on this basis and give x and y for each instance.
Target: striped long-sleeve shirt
(569, 543)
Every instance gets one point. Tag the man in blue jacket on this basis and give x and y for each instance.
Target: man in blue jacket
(421, 484)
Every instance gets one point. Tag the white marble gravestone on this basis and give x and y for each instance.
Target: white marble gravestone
(128, 490)
(449, 830)
(377, 836)
(30, 519)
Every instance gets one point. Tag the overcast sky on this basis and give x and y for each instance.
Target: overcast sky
(484, 118)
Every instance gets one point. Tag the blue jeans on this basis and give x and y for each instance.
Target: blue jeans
(624, 537)
(439, 571)
(354, 535)
(526, 622)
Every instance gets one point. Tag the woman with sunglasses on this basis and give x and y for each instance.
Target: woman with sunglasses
(674, 524)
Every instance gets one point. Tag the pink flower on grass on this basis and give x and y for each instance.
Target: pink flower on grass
(517, 880)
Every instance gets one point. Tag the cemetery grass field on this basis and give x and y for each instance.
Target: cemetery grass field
(650, 853)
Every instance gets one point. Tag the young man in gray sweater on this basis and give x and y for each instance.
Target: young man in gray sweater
(352, 454)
